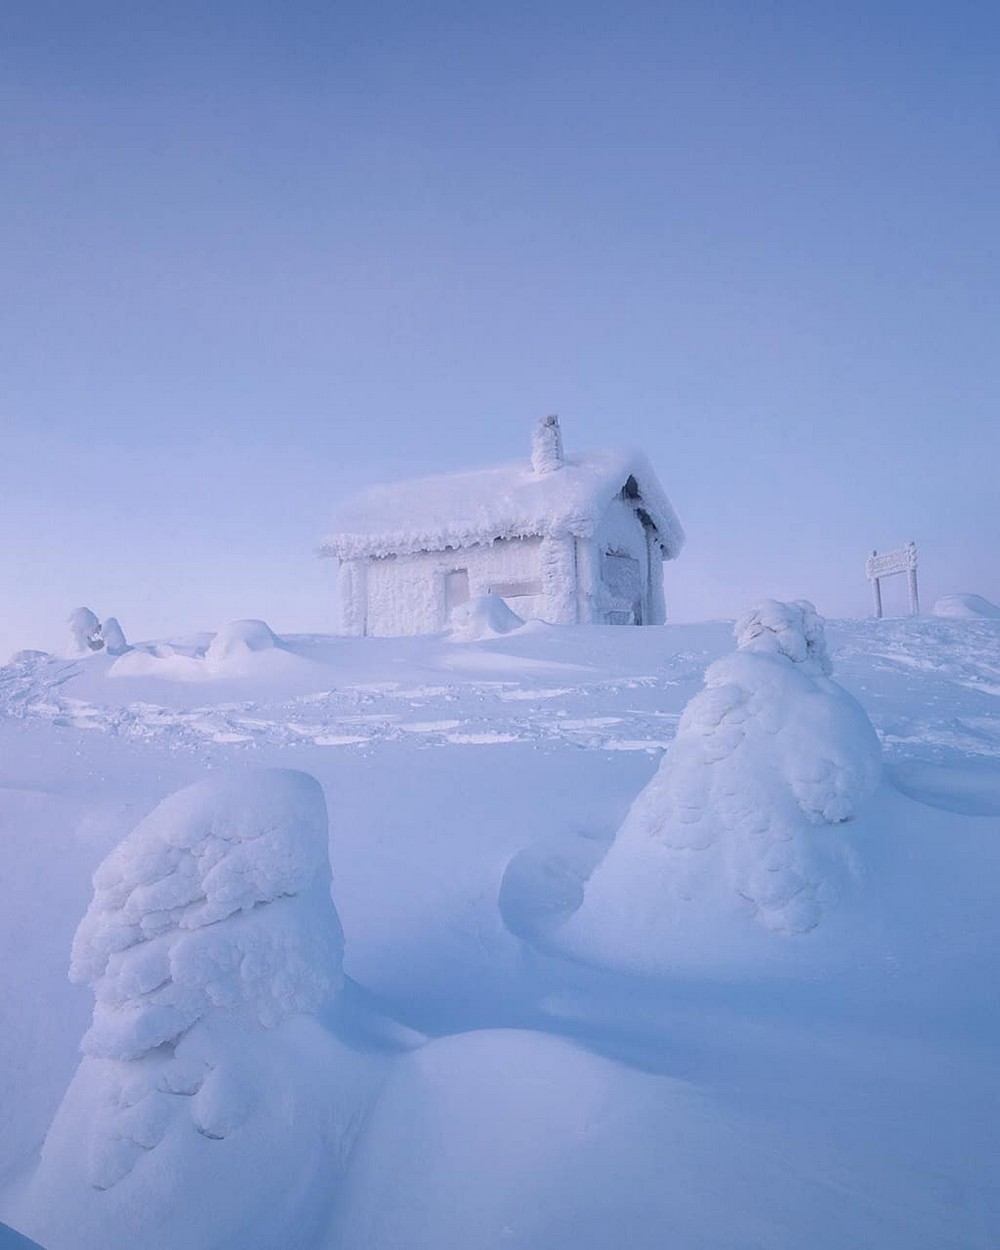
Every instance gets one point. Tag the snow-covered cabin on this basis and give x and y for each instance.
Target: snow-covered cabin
(565, 539)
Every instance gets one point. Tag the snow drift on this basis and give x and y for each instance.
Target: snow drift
(485, 616)
(210, 943)
(737, 830)
(966, 607)
(246, 648)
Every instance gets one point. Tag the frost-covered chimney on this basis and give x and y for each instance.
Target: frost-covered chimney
(546, 446)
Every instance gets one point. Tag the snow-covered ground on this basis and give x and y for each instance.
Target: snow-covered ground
(521, 1052)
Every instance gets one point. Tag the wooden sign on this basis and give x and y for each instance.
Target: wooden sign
(890, 562)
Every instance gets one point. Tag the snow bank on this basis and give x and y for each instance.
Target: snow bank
(240, 639)
(966, 607)
(737, 829)
(240, 649)
(210, 942)
(485, 616)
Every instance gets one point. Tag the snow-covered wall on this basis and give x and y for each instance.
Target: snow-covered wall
(409, 594)
(613, 577)
(621, 533)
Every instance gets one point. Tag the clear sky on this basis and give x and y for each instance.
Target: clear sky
(255, 255)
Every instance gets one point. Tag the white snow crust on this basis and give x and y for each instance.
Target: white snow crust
(512, 1058)
(240, 649)
(509, 501)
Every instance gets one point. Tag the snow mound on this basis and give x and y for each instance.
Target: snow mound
(736, 826)
(114, 637)
(241, 649)
(966, 607)
(239, 639)
(486, 616)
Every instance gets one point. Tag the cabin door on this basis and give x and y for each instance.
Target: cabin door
(456, 589)
(623, 584)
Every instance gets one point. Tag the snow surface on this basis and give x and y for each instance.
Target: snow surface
(10, 1240)
(476, 1081)
(508, 501)
(242, 649)
(485, 616)
(973, 607)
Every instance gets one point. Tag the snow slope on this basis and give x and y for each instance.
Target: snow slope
(475, 1081)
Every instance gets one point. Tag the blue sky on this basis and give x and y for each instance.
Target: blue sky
(255, 255)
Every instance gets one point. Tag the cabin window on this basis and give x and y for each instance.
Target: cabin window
(515, 590)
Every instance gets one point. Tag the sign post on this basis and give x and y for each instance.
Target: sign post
(902, 561)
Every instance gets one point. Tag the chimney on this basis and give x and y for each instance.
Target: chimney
(546, 446)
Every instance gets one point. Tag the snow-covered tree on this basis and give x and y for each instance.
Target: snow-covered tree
(735, 825)
(85, 629)
(114, 637)
(211, 943)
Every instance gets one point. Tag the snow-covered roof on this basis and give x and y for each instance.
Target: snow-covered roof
(507, 501)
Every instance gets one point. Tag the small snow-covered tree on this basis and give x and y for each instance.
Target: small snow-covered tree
(114, 637)
(85, 629)
(211, 944)
(735, 825)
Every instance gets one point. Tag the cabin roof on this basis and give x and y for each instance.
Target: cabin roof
(456, 510)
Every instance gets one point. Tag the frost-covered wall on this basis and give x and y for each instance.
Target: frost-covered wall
(566, 540)
(409, 594)
(613, 577)
(622, 534)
